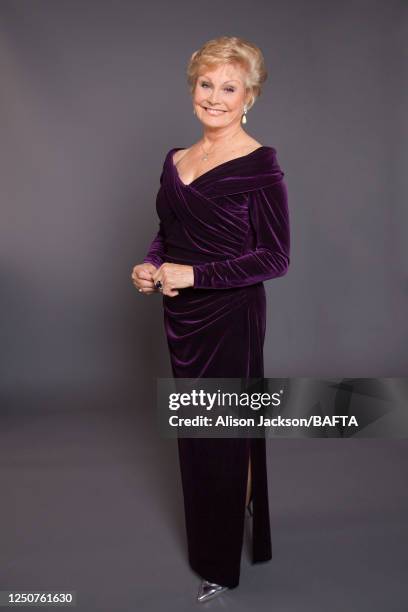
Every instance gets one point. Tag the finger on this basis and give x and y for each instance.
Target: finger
(170, 292)
(158, 273)
(147, 291)
(142, 283)
(145, 284)
(142, 274)
(155, 281)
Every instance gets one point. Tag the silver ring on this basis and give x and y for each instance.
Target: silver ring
(158, 284)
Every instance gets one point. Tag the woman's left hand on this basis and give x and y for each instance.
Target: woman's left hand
(173, 276)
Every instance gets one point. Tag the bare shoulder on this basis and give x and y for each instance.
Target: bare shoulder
(250, 145)
(179, 154)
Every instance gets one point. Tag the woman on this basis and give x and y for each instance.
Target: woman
(224, 229)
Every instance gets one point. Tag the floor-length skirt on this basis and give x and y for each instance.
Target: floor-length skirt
(220, 334)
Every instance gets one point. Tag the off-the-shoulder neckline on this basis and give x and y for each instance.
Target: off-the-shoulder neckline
(229, 161)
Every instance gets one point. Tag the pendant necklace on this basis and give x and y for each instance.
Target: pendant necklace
(207, 153)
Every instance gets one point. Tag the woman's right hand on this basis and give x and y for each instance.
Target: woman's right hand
(142, 278)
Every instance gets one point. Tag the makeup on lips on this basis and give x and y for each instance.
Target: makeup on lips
(213, 111)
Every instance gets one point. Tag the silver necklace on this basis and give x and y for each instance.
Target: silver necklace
(205, 156)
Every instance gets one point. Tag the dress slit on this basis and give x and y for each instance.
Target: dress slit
(261, 535)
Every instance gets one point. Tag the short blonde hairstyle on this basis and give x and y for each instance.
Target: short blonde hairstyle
(234, 50)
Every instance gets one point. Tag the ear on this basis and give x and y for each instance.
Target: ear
(249, 98)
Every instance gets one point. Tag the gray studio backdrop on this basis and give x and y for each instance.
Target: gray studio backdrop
(93, 95)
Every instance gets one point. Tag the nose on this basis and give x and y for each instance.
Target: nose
(213, 98)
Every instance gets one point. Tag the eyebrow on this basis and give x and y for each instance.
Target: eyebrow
(203, 76)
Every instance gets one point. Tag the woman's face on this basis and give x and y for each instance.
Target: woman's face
(222, 90)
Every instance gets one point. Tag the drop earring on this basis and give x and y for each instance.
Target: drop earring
(244, 119)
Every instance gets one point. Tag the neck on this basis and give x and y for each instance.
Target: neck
(216, 138)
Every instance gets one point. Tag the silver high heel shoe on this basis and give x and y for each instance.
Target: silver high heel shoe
(208, 590)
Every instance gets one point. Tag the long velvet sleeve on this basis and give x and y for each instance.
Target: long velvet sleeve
(155, 254)
(269, 216)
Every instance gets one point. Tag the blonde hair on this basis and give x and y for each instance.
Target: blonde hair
(234, 50)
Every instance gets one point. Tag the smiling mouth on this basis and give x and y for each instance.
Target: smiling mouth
(215, 111)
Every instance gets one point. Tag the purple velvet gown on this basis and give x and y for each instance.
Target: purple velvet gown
(232, 225)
